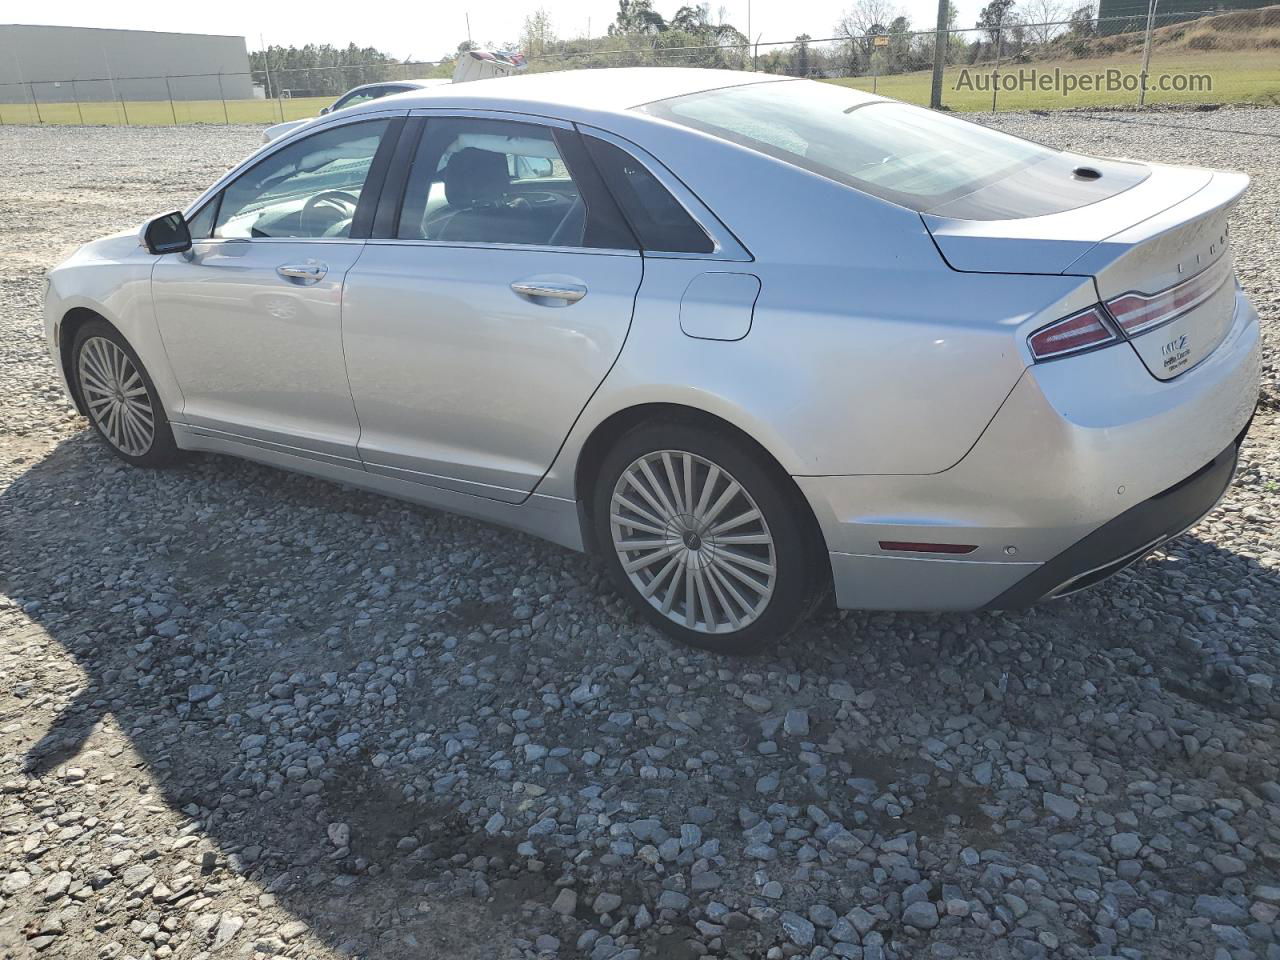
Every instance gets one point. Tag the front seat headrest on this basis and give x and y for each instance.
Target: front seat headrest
(473, 175)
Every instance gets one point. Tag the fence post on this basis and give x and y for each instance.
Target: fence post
(76, 97)
(1146, 53)
(223, 97)
(35, 102)
(995, 71)
(941, 40)
(173, 111)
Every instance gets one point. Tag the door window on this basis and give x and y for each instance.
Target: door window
(497, 181)
(309, 189)
(658, 219)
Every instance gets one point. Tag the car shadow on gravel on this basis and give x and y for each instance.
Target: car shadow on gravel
(190, 619)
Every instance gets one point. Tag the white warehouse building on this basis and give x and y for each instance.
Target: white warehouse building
(62, 64)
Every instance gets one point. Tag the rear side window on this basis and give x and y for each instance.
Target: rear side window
(908, 155)
(658, 219)
(478, 180)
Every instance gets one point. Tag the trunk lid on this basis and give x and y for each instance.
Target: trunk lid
(1158, 253)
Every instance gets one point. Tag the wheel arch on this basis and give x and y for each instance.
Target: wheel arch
(70, 324)
(607, 432)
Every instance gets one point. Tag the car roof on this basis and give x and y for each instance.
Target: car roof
(422, 83)
(608, 90)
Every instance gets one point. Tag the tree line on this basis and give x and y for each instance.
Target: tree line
(640, 35)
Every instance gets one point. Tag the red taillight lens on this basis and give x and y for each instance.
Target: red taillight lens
(1136, 312)
(1080, 331)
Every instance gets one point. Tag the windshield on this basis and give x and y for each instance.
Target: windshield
(908, 155)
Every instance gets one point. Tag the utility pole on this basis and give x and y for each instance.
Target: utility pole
(1146, 52)
(941, 40)
(266, 65)
(995, 73)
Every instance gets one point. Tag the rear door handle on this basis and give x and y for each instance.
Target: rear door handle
(542, 290)
(308, 272)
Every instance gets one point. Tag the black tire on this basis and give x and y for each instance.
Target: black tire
(161, 451)
(802, 576)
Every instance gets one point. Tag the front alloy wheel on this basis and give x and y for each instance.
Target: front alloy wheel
(707, 537)
(116, 397)
(119, 397)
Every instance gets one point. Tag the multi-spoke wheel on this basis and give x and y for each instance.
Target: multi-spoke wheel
(709, 541)
(119, 397)
(693, 541)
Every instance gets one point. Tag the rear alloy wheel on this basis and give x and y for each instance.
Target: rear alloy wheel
(119, 397)
(708, 543)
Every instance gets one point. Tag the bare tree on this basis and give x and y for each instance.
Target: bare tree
(993, 17)
(867, 17)
(1043, 18)
(538, 35)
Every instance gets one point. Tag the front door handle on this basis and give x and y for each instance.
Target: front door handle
(308, 272)
(542, 290)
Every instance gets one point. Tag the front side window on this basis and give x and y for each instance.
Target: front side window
(201, 225)
(492, 181)
(911, 156)
(309, 189)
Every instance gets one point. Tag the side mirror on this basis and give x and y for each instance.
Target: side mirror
(528, 168)
(167, 234)
(323, 111)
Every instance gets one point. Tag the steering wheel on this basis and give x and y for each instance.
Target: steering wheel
(325, 205)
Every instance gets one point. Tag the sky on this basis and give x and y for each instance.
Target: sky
(427, 31)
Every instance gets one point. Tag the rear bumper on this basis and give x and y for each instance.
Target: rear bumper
(1089, 463)
(1129, 537)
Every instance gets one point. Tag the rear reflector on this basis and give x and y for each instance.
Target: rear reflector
(908, 547)
(1136, 312)
(1080, 331)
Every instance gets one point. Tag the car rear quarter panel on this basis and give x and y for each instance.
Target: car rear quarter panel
(867, 354)
(891, 374)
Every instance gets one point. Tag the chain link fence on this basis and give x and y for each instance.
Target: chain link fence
(1082, 61)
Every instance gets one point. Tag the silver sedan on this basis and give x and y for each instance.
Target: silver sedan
(751, 340)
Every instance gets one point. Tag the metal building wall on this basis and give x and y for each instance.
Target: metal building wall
(119, 65)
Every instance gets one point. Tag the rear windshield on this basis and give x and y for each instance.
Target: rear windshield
(908, 155)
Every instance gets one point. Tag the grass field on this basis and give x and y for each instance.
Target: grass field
(158, 113)
(1243, 76)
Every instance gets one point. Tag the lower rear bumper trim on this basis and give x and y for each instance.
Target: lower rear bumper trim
(1127, 538)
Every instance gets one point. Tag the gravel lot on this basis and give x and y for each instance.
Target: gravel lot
(244, 713)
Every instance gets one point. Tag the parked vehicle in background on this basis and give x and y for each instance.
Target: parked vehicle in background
(356, 95)
(747, 338)
(472, 65)
(487, 64)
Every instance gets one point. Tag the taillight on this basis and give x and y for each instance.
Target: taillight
(1080, 331)
(1136, 312)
